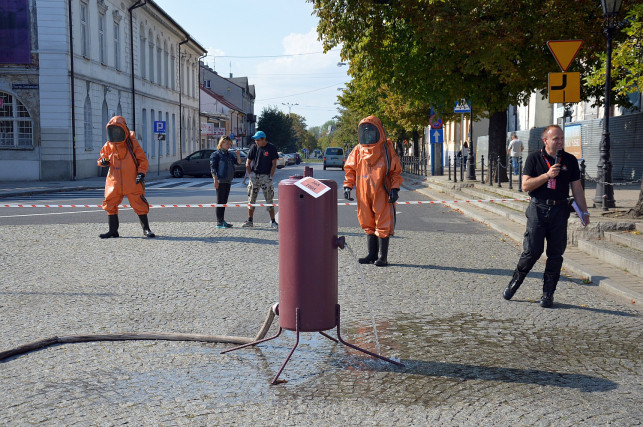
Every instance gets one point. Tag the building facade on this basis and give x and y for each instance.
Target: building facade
(88, 61)
(238, 92)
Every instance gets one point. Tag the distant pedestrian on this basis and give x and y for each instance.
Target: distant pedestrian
(515, 150)
(222, 164)
(260, 166)
(547, 177)
(465, 152)
(126, 177)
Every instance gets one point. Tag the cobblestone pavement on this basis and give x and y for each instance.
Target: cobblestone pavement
(471, 358)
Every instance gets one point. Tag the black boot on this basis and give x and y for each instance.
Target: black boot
(113, 227)
(513, 285)
(371, 243)
(146, 226)
(382, 260)
(550, 280)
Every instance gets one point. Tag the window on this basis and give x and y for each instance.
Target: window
(16, 126)
(105, 120)
(87, 114)
(172, 75)
(207, 84)
(174, 134)
(159, 58)
(117, 46)
(144, 115)
(167, 136)
(151, 58)
(102, 46)
(84, 31)
(166, 60)
(141, 61)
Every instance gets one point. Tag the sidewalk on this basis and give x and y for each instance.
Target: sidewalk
(508, 218)
(24, 188)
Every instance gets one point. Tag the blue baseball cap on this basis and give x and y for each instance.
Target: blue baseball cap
(260, 134)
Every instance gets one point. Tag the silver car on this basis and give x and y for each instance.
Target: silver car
(334, 157)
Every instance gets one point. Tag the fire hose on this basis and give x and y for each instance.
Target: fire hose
(138, 336)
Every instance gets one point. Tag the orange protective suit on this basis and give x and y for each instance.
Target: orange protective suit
(121, 179)
(373, 170)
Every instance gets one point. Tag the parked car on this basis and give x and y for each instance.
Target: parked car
(240, 169)
(198, 164)
(281, 161)
(290, 159)
(334, 157)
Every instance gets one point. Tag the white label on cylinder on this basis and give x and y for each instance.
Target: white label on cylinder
(311, 186)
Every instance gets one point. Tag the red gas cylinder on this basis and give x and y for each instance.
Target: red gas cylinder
(308, 245)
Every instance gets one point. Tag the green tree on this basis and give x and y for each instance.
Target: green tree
(434, 52)
(278, 128)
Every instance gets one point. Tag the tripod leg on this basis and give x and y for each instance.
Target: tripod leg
(328, 336)
(274, 380)
(252, 343)
(361, 349)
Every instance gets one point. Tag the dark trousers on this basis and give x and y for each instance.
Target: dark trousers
(222, 198)
(545, 223)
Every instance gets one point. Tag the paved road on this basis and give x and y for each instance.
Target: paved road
(200, 190)
(470, 357)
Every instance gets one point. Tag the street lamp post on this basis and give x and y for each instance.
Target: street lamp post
(604, 190)
(289, 106)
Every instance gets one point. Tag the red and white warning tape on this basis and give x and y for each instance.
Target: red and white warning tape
(245, 205)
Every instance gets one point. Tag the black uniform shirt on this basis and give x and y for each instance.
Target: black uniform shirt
(261, 158)
(536, 165)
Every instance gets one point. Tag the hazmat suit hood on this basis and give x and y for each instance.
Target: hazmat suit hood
(117, 130)
(370, 131)
(372, 138)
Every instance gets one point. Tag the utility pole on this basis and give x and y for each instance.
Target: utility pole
(289, 106)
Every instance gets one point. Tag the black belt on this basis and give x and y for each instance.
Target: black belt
(550, 202)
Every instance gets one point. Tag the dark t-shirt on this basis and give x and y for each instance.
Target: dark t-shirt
(261, 158)
(536, 165)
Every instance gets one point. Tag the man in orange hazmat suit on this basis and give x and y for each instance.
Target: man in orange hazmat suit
(374, 170)
(127, 167)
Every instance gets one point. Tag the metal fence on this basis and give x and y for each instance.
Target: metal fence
(415, 165)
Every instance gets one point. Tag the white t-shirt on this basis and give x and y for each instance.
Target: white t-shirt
(515, 148)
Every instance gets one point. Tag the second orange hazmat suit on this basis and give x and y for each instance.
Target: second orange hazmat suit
(373, 169)
(127, 168)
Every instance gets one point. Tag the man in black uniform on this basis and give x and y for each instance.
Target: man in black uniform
(547, 175)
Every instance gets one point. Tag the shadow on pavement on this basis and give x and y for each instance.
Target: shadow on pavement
(584, 383)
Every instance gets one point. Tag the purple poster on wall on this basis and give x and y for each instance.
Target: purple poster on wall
(14, 32)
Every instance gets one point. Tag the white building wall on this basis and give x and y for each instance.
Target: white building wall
(54, 87)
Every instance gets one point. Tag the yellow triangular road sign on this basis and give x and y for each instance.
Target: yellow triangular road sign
(564, 51)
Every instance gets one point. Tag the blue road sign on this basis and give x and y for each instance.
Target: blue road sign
(159, 127)
(436, 136)
(462, 107)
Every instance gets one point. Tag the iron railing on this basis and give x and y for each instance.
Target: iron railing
(415, 165)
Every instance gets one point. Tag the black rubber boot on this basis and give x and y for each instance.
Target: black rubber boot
(371, 243)
(549, 287)
(113, 227)
(382, 260)
(513, 285)
(146, 226)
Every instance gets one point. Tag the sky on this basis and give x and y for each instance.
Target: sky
(273, 43)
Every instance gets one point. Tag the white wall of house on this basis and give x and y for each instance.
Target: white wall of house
(166, 87)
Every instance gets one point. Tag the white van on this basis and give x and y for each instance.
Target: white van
(334, 157)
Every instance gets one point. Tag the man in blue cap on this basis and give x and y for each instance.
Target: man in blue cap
(261, 166)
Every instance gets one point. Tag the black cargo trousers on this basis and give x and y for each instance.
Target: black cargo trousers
(549, 223)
